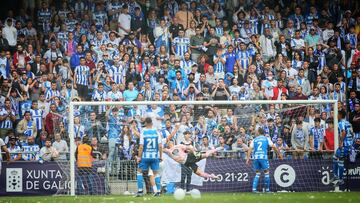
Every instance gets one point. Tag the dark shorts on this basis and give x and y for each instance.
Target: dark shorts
(191, 160)
(83, 90)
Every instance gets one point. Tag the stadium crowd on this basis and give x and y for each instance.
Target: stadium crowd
(54, 52)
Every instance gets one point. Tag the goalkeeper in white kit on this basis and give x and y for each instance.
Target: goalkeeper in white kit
(188, 156)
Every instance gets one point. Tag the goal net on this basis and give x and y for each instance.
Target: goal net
(301, 130)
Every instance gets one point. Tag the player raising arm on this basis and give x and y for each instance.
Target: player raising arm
(260, 147)
(187, 155)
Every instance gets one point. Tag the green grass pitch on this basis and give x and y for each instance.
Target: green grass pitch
(294, 197)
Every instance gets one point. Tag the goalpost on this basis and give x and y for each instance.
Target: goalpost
(254, 105)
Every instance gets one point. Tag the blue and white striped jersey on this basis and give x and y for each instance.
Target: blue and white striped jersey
(33, 152)
(79, 131)
(29, 129)
(344, 125)
(181, 45)
(352, 38)
(297, 43)
(51, 93)
(240, 23)
(219, 31)
(7, 123)
(260, 147)
(219, 67)
(310, 18)
(62, 37)
(254, 21)
(44, 16)
(37, 117)
(211, 124)
(82, 74)
(114, 96)
(213, 140)
(297, 64)
(321, 57)
(13, 151)
(24, 106)
(100, 96)
(63, 13)
(150, 139)
(3, 69)
(186, 65)
(71, 24)
(318, 135)
(46, 85)
(100, 19)
(117, 73)
(114, 6)
(244, 59)
(98, 42)
(268, 16)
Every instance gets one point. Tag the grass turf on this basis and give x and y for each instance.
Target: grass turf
(298, 197)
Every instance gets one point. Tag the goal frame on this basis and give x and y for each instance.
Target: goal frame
(208, 102)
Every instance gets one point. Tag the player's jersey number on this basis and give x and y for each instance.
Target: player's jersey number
(151, 143)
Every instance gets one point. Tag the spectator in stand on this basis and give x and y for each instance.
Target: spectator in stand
(299, 94)
(184, 16)
(99, 151)
(316, 136)
(124, 22)
(48, 152)
(14, 148)
(221, 92)
(82, 79)
(10, 34)
(26, 127)
(75, 57)
(240, 147)
(61, 147)
(281, 146)
(52, 120)
(30, 150)
(299, 140)
(329, 135)
(4, 44)
(355, 120)
(7, 118)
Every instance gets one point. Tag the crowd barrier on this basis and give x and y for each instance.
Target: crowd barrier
(52, 178)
